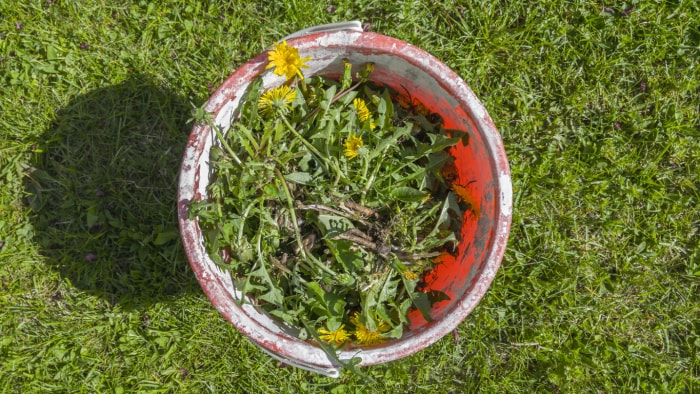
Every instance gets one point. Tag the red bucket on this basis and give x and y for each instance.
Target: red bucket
(482, 168)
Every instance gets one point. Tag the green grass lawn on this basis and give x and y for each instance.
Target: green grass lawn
(599, 108)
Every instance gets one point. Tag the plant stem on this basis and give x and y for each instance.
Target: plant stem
(297, 233)
(323, 208)
(370, 181)
(365, 167)
(244, 217)
(303, 140)
(326, 163)
(225, 144)
(333, 100)
(302, 86)
(290, 206)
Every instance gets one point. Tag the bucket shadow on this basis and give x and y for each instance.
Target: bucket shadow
(104, 193)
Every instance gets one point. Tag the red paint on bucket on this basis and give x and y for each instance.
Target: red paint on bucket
(481, 165)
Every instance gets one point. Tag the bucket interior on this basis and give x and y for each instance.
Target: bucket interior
(463, 278)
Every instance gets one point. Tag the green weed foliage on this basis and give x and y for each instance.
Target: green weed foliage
(599, 112)
(315, 226)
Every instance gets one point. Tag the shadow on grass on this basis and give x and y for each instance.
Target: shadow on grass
(104, 193)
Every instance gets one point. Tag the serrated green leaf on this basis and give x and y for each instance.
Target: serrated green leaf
(271, 191)
(408, 194)
(274, 296)
(388, 291)
(351, 260)
(390, 140)
(442, 142)
(422, 303)
(332, 304)
(325, 103)
(395, 333)
(302, 178)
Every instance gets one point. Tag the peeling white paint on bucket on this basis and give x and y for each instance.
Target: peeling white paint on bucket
(483, 162)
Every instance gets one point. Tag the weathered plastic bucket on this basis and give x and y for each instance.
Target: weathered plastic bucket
(481, 165)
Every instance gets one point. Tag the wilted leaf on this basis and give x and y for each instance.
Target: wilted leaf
(332, 225)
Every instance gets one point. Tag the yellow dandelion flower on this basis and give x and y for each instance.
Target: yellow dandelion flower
(363, 335)
(362, 111)
(336, 336)
(352, 146)
(410, 275)
(276, 100)
(286, 61)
